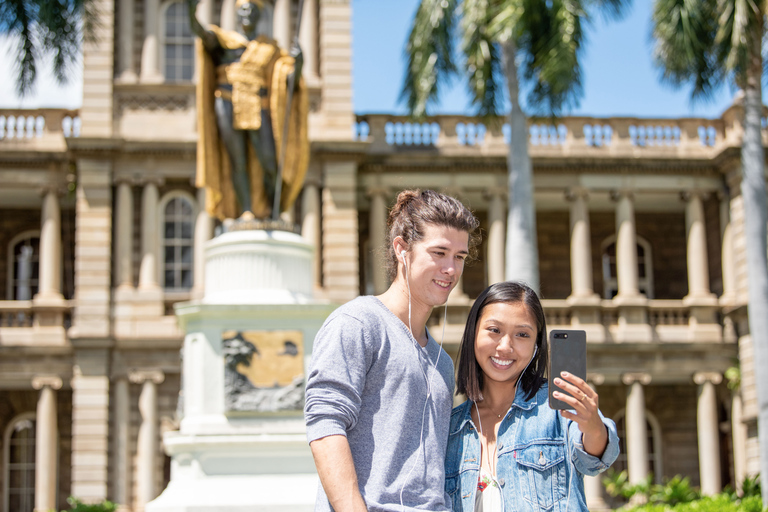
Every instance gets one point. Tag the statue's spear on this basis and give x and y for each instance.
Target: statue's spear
(284, 141)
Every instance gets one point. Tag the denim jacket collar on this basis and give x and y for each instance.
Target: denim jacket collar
(465, 409)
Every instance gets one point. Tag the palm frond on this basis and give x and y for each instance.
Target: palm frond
(41, 26)
(554, 44)
(429, 54)
(686, 44)
(483, 58)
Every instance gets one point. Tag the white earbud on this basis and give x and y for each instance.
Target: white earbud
(402, 256)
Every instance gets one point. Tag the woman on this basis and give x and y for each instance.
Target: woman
(507, 449)
(379, 391)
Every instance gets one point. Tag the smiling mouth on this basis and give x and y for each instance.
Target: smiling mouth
(502, 362)
(443, 284)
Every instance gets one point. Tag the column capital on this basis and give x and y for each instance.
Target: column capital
(494, 192)
(573, 193)
(377, 190)
(704, 377)
(142, 376)
(595, 378)
(632, 377)
(57, 188)
(158, 181)
(620, 193)
(51, 381)
(687, 195)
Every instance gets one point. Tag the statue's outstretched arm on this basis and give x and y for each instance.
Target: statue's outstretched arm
(209, 38)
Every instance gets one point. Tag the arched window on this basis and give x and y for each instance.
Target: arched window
(24, 271)
(644, 267)
(178, 242)
(19, 463)
(655, 460)
(178, 44)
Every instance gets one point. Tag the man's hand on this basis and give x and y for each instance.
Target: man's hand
(336, 468)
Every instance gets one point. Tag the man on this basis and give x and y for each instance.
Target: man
(379, 390)
(242, 94)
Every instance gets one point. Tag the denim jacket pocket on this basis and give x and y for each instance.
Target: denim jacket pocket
(542, 471)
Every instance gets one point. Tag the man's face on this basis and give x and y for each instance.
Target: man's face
(249, 15)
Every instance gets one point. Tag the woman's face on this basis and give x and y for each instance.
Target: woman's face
(435, 263)
(504, 341)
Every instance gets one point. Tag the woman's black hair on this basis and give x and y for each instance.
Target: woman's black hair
(470, 377)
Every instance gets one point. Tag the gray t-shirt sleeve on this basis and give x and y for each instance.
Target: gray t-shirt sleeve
(340, 362)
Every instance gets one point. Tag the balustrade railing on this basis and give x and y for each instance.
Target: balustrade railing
(19, 314)
(389, 132)
(26, 124)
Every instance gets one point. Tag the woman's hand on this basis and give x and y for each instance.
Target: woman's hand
(586, 416)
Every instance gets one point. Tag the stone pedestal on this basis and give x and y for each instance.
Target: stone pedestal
(242, 444)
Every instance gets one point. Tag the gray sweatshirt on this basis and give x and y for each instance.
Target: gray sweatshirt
(368, 381)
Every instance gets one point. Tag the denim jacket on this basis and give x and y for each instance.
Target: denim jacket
(532, 466)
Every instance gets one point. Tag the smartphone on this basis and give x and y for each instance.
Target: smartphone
(567, 352)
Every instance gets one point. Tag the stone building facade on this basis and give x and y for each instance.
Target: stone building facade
(640, 233)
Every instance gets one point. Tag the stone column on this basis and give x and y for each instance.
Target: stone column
(581, 244)
(708, 432)
(203, 233)
(228, 18)
(636, 426)
(148, 442)
(50, 248)
(149, 236)
(124, 236)
(308, 40)
(696, 246)
(739, 436)
(46, 443)
(122, 442)
(726, 237)
(626, 245)
(377, 225)
(310, 226)
(205, 12)
(125, 71)
(150, 51)
(593, 488)
(281, 23)
(496, 232)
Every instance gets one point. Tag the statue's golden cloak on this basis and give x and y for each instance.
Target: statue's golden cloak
(263, 64)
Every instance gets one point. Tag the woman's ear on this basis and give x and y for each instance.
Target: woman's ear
(399, 245)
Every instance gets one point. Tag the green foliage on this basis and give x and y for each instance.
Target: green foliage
(733, 376)
(41, 26)
(674, 491)
(78, 506)
(677, 495)
(750, 487)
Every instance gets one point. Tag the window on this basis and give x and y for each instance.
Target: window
(179, 59)
(654, 444)
(24, 271)
(644, 268)
(19, 467)
(178, 244)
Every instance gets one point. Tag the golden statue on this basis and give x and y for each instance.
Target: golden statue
(242, 95)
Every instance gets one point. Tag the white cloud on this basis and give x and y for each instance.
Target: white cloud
(46, 93)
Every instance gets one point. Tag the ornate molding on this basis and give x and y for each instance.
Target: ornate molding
(142, 376)
(630, 378)
(51, 381)
(704, 377)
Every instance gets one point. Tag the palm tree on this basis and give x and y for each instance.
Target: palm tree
(41, 26)
(504, 43)
(706, 43)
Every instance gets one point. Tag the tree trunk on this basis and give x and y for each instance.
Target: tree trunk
(522, 254)
(755, 219)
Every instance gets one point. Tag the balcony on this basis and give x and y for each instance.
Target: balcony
(24, 323)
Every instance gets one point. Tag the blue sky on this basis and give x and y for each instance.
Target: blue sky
(618, 74)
